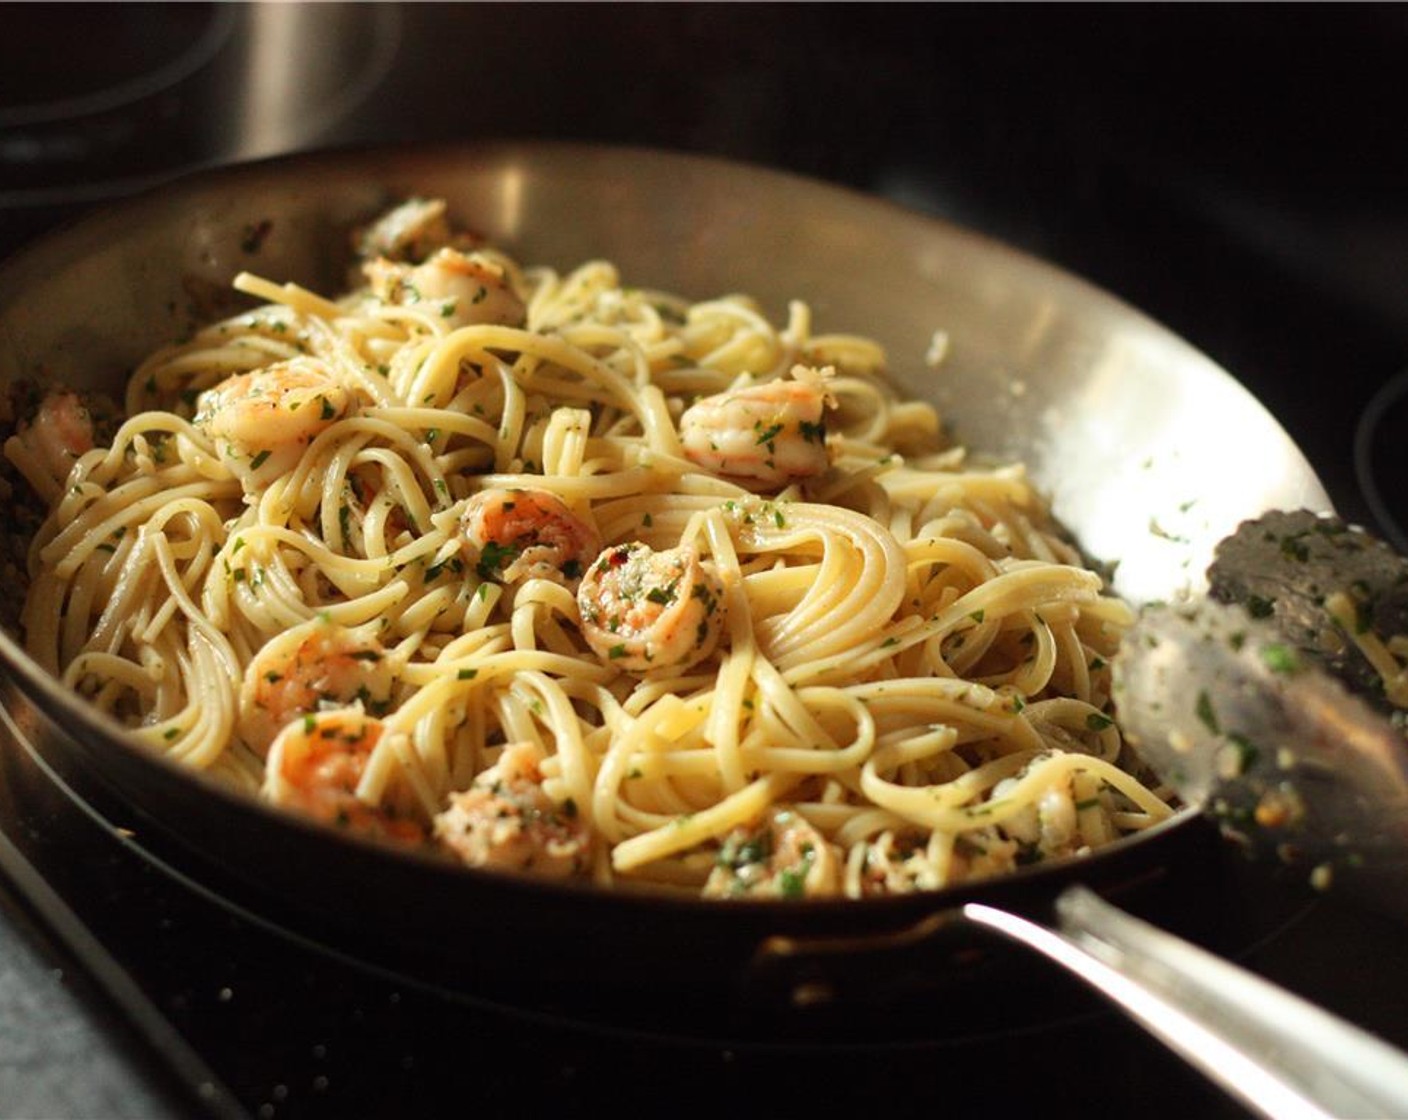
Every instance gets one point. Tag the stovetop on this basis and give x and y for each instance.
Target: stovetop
(1237, 173)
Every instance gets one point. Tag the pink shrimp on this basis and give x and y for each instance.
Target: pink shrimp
(780, 856)
(261, 420)
(315, 765)
(45, 449)
(772, 434)
(315, 666)
(505, 821)
(644, 610)
(513, 534)
(463, 289)
(408, 232)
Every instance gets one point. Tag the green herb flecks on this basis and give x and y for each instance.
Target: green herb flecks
(1203, 710)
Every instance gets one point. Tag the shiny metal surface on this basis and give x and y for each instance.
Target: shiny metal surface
(1296, 769)
(1149, 451)
(1277, 1054)
(153, 93)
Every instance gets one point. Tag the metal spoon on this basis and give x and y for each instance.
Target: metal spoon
(1288, 762)
(1276, 1053)
(1253, 718)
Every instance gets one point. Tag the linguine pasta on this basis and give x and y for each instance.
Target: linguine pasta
(548, 573)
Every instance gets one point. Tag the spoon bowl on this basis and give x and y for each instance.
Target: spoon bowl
(1269, 711)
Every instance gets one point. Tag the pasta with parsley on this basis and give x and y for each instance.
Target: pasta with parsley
(557, 576)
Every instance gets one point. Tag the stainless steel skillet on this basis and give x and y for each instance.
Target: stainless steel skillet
(1150, 453)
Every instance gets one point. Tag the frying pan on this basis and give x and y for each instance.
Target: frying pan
(1148, 451)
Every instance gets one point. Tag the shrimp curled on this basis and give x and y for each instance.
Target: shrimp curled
(261, 420)
(408, 232)
(463, 289)
(514, 534)
(770, 434)
(314, 766)
(505, 821)
(643, 610)
(780, 856)
(45, 449)
(312, 667)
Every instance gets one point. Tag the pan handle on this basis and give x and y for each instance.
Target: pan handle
(1276, 1053)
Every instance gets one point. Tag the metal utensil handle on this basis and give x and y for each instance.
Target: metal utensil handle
(1279, 1055)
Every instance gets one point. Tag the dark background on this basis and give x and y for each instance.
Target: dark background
(1236, 172)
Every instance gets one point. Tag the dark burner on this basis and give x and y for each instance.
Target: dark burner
(123, 98)
(1379, 458)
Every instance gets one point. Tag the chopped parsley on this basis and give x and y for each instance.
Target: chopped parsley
(494, 557)
(1279, 658)
(767, 435)
(792, 882)
(1204, 712)
(1247, 753)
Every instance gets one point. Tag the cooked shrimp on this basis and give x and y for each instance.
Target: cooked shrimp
(780, 856)
(469, 289)
(409, 232)
(261, 420)
(773, 433)
(896, 864)
(513, 534)
(44, 449)
(314, 767)
(505, 821)
(1048, 828)
(313, 667)
(643, 609)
